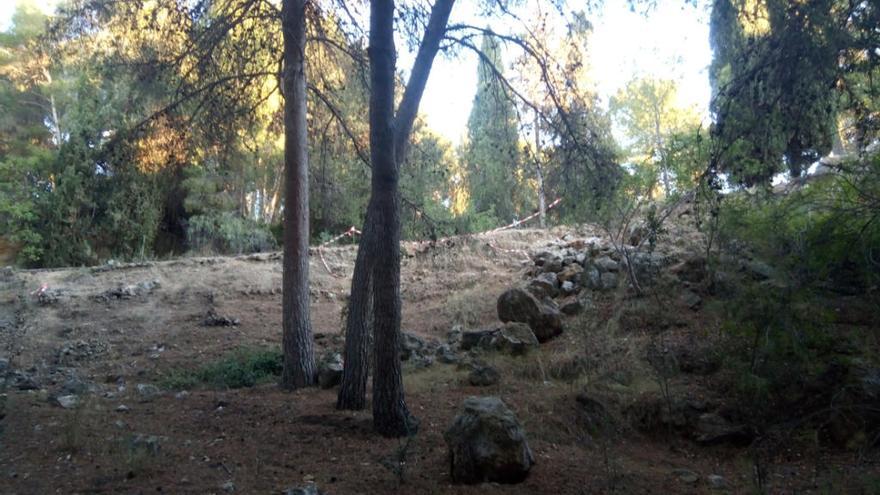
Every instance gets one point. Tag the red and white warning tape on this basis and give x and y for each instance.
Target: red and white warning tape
(352, 231)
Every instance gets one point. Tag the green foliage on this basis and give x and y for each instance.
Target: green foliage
(491, 155)
(228, 233)
(242, 368)
(822, 235)
(777, 75)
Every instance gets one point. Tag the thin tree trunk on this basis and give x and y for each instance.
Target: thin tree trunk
(542, 200)
(353, 390)
(299, 358)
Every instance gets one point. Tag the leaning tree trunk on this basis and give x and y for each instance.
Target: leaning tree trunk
(299, 356)
(353, 390)
(390, 414)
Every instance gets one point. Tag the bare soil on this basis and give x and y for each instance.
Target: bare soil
(263, 440)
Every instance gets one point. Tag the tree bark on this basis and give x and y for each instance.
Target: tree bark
(352, 393)
(390, 414)
(353, 389)
(299, 358)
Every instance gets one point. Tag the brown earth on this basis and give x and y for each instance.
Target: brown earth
(263, 440)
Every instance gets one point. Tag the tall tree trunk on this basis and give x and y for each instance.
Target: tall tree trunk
(390, 414)
(352, 393)
(299, 358)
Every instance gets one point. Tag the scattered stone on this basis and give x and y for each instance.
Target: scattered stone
(67, 401)
(572, 273)
(410, 345)
(592, 279)
(545, 285)
(4, 366)
(571, 306)
(717, 482)
(147, 391)
(46, 296)
(228, 487)
(330, 371)
(24, 381)
(482, 339)
(568, 287)
(129, 291)
(606, 264)
(81, 350)
(516, 338)
(183, 394)
(483, 376)
(307, 489)
(122, 408)
(542, 316)
(446, 355)
(553, 265)
(713, 429)
(74, 386)
(145, 443)
(487, 443)
(453, 336)
(215, 320)
(686, 476)
(758, 270)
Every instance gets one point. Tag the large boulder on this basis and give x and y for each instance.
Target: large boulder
(487, 443)
(543, 317)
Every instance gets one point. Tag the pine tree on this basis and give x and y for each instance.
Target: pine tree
(491, 154)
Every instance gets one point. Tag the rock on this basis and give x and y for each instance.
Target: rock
(149, 444)
(453, 336)
(215, 320)
(606, 264)
(24, 381)
(4, 366)
(609, 281)
(74, 386)
(568, 287)
(553, 265)
(330, 371)
(228, 487)
(545, 285)
(410, 345)
(147, 392)
(572, 273)
(713, 429)
(307, 489)
(571, 306)
(691, 299)
(542, 316)
(483, 376)
(592, 279)
(692, 269)
(487, 443)
(686, 476)
(446, 355)
(717, 482)
(67, 401)
(516, 338)
(758, 270)
(122, 408)
(484, 339)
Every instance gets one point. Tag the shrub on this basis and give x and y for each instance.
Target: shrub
(240, 369)
(228, 233)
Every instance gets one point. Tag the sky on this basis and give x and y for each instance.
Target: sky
(671, 42)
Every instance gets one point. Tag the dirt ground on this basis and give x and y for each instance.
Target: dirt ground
(264, 440)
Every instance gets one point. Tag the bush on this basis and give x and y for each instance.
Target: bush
(242, 368)
(228, 233)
